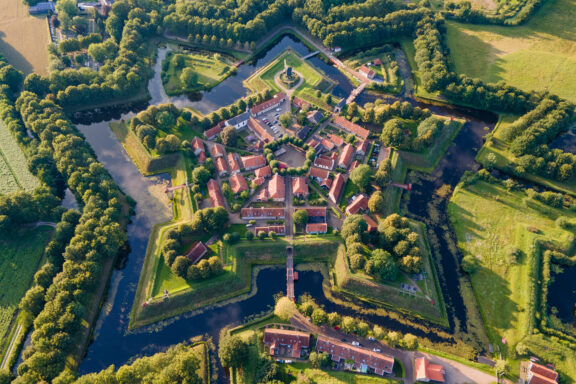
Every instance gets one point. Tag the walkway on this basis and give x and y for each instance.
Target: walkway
(290, 274)
(355, 93)
(11, 346)
(310, 55)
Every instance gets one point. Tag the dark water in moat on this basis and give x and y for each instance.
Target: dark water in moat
(562, 295)
(113, 345)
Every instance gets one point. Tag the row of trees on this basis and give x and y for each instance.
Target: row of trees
(397, 134)
(379, 112)
(97, 240)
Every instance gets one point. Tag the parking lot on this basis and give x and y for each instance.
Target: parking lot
(271, 118)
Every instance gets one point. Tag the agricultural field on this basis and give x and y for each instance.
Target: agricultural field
(19, 260)
(540, 55)
(14, 173)
(208, 70)
(23, 38)
(489, 221)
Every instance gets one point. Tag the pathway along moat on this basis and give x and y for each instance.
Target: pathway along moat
(113, 344)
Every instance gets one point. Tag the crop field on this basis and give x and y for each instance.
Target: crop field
(209, 70)
(19, 259)
(540, 55)
(488, 221)
(23, 38)
(14, 173)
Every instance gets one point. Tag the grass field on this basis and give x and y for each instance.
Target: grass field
(313, 79)
(23, 38)
(19, 260)
(14, 173)
(210, 70)
(319, 376)
(488, 220)
(539, 55)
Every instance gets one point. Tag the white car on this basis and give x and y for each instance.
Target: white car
(355, 343)
(377, 350)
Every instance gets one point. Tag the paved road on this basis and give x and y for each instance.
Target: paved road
(289, 209)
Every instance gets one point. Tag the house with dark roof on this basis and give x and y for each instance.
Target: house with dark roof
(238, 183)
(350, 127)
(215, 193)
(285, 342)
(427, 372)
(355, 358)
(42, 8)
(360, 203)
(346, 156)
(303, 133)
(540, 374)
(267, 105)
(315, 117)
(299, 187)
(336, 188)
(196, 252)
(239, 121)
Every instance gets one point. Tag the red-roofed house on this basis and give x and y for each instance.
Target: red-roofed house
(326, 184)
(238, 183)
(278, 229)
(259, 130)
(377, 62)
(197, 146)
(354, 165)
(351, 127)
(253, 162)
(362, 359)
(427, 372)
(319, 174)
(540, 374)
(315, 212)
(328, 144)
(316, 228)
(372, 224)
(300, 103)
(267, 105)
(367, 72)
(299, 187)
(360, 203)
(215, 193)
(263, 172)
(292, 341)
(213, 132)
(336, 188)
(262, 213)
(218, 151)
(221, 166)
(277, 188)
(346, 156)
(313, 143)
(324, 162)
(202, 157)
(234, 163)
(362, 147)
(336, 140)
(259, 181)
(196, 252)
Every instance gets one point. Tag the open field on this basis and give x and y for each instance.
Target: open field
(540, 55)
(319, 376)
(23, 38)
(15, 163)
(209, 71)
(19, 260)
(488, 221)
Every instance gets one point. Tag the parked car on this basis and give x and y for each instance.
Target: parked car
(278, 109)
(355, 343)
(377, 350)
(371, 338)
(279, 361)
(343, 340)
(288, 361)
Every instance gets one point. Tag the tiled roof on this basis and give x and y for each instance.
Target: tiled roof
(221, 165)
(238, 183)
(319, 173)
(300, 103)
(351, 127)
(362, 146)
(234, 163)
(253, 162)
(263, 106)
(336, 188)
(541, 374)
(346, 156)
(299, 186)
(314, 212)
(354, 165)
(316, 228)
(202, 157)
(214, 131)
(329, 145)
(197, 144)
(426, 371)
(286, 337)
(341, 351)
(218, 150)
(263, 172)
(260, 130)
(367, 71)
(264, 213)
(259, 180)
(196, 252)
(215, 193)
(372, 224)
(360, 203)
(276, 187)
(336, 139)
(324, 162)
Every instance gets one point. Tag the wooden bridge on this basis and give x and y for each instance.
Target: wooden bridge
(355, 93)
(291, 276)
(407, 187)
(172, 189)
(310, 55)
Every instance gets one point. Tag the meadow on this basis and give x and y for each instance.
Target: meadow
(23, 38)
(539, 55)
(13, 165)
(19, 260)
(488, 221)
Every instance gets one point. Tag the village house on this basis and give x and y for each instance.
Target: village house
(280, 230)
(540, 374)
(355, 358)
(275, 191)
(215, 193)
(234, 163)
(367, 72)
(213, 132)
(285, 342)
(196, 252)
(267, 105)
(217, 151)
(317, 213)
(336, 188)
(221, 166)
(262, 213)
(260, 130)
(360, 203)
(238, 183)
(337, 140)
(299, 187)
(350, 127)
(346, 156)
(197, 146)
(328, 145)
(315, 117)
(324, 162)
(316, 228)
(301, 104)
(427, 372)
(362, 147)
(318, 174)
(263, 172)
(238, 122)
(253, 162)
(372, 224)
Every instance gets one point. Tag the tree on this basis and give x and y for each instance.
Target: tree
(249, 235)
(66, 10)
(319, 360)
(319, 316)
(262, 235)
(232, 351)
(334, 319)
(382, 176)
(353, 224)
(490, 161)
(361, 176)
(300, 217)
(180, 266)
(229, 136)
(33, 302)
(362, 329)
(393, 338)
(285, 308)
(357, 261)
(409, 341)
(286, 120)
(393, 133)
(201, 176)
(382, 266)
(470, 264)
(378, 332)
(188, 77)
(348, 324)
(376, 203)
(502, 367)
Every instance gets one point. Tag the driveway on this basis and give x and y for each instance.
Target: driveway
(457, 373)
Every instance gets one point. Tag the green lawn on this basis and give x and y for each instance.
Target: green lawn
(540, 55)
(488, 220)
(209, 70)
(313, 79)
(19, 259)
(319, 376)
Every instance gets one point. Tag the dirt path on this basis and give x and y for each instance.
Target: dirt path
(405, 72)
(11, 347)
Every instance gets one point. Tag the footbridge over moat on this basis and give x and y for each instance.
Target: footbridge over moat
(291, 276)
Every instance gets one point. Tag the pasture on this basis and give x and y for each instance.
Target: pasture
(488, 221)
(23, 38)
(540, 55)
(19, 260)
(14, 173)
